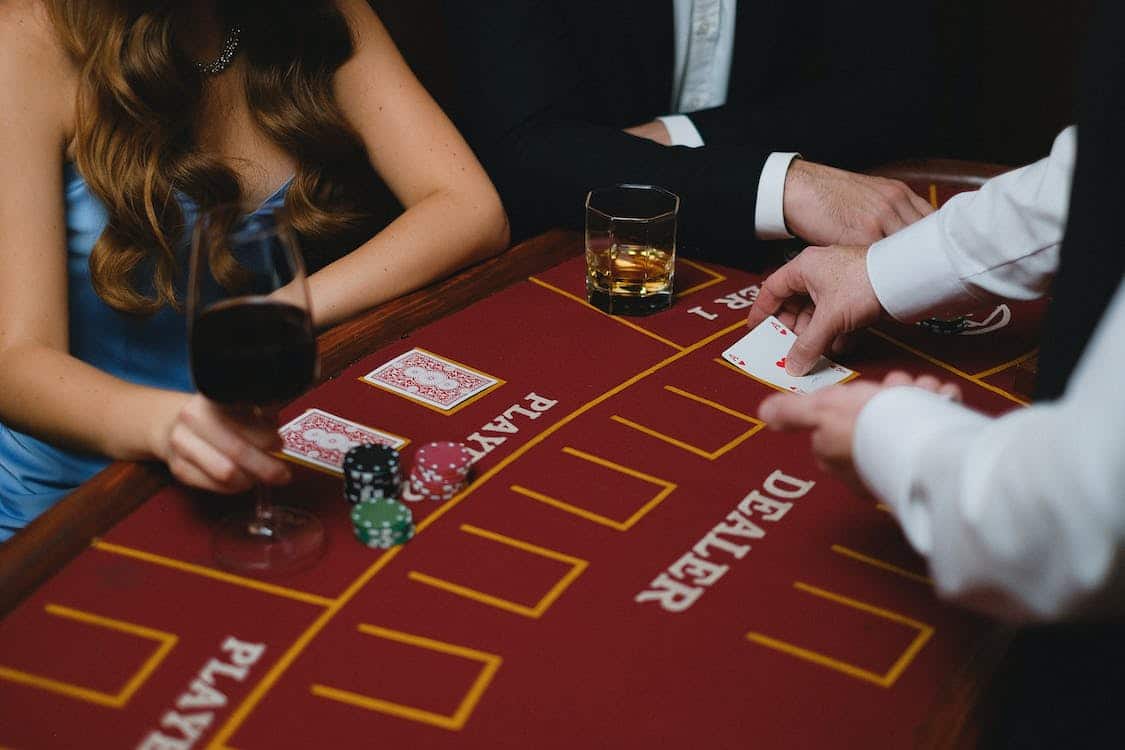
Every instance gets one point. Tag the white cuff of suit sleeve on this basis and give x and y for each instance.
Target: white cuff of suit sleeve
(892, 432)
(769, 210)
(912, 276)
(682, 131)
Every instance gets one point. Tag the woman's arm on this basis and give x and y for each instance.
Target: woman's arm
(453, 215)
(43, 390)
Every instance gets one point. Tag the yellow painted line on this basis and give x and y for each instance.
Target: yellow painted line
(491, 663)
(231, 725)
(710, 455)
(615, 318)
(883, 680)
(552, 429)
(243, 711)
(1000, 368)
(588, 515)
(577, 566)
(883, 507)
(933, 195)
(716, 278)
(214, 574)
(882, 565)
(948, 367)
(598, 518)
(166, 642)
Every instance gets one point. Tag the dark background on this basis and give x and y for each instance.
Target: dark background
(1009, 70)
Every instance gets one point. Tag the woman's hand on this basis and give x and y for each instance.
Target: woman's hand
(216, 449)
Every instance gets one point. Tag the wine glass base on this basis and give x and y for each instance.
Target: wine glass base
(291, 540)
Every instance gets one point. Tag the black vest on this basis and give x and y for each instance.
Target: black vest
(1064, 686)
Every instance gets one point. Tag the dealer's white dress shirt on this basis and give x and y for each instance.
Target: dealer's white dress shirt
(704, 36)
(1022, 515)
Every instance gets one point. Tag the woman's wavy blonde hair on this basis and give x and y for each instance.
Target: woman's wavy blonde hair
(135, 145)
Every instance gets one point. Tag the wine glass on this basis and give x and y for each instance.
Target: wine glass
(252, 350)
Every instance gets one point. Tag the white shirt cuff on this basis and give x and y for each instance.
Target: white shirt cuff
(769, 210)
(891, 432)
(682, 131)
(911, 275)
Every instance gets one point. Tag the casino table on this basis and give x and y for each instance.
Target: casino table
(638, 561)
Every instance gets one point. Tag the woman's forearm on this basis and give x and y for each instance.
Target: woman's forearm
(62, 400)
(432, 239)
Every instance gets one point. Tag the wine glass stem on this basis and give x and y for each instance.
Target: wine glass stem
(263, 524)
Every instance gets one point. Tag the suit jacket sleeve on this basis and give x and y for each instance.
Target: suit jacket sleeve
(848, 84)
(543, 99)
(524, 103)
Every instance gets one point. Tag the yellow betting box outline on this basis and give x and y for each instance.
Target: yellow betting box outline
(165, 642)
(452, 410)
(615, 318)
(1006, 365)
(947, 367)
(577, 566)
(709, 455)
(213, 573)
(589, 515)
(454, 721)
(875, 562)
(888, 678)
(729, 366)
(716, 278)
(262, 688)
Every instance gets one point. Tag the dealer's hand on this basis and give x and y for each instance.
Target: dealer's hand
(822, 295)
(830, 415)
(828, 206)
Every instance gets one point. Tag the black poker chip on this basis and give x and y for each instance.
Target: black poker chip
(371, 472)
(945, 326)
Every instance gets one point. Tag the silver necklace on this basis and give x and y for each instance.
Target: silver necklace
(226, 54)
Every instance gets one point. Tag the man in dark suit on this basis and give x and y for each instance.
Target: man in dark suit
(561, 96)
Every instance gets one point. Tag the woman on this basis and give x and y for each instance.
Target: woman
(117, 118)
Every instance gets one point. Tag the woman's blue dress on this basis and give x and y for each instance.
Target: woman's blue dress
(150, 351)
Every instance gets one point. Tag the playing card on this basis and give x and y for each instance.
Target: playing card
(761, 354)
(322, 439)
(429, 379)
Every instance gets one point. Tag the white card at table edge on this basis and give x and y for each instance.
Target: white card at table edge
(761, 354)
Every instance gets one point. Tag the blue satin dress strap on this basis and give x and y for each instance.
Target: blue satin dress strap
(150, 351)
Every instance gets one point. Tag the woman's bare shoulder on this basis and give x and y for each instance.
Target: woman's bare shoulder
(35, 70)
(29, 42)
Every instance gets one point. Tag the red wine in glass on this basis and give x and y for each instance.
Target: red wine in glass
(252, 350)
(273, 340)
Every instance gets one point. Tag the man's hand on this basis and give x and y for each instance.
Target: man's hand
(654, 131)
(827, 206)
(830, 415)
(822, 294)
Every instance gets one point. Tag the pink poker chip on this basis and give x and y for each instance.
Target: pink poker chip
(444, 458)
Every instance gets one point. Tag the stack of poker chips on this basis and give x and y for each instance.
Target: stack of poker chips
(371, 471)
(382, 523)
(440, 471)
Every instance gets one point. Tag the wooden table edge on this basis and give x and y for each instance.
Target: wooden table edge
(49, 542)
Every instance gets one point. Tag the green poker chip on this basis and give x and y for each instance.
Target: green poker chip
(384, 538)
(381, 513)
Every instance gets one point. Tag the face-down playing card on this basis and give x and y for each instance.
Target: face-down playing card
(761, 354)
(322, 439)
(431, 380)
